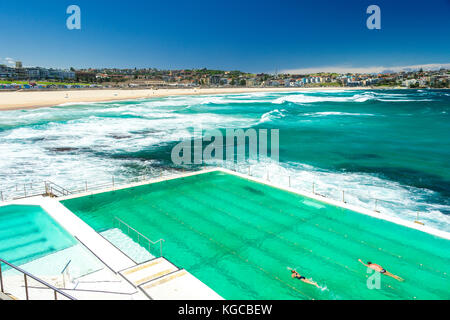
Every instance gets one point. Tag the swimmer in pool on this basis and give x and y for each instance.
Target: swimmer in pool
(381, 270)
(296, 275)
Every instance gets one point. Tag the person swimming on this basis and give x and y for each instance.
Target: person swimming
(296, 275)
(381, 270)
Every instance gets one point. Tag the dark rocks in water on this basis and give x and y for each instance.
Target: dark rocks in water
(120, 137)
(63, 149)
(146, 131)
(40, 139)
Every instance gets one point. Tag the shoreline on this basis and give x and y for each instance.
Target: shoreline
(19, 100)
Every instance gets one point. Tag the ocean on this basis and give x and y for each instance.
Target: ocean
(388, 145)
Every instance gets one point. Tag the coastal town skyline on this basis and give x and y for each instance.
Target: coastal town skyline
(341, 69)
(20, 77)
(255, 37)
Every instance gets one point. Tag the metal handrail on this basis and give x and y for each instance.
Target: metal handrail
(25, 275)
(67, 265)
(58, 188)
(140, 235)
(63, 273)
(29, 189)
(113, 183)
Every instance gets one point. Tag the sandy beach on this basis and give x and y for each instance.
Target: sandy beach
(36, 99)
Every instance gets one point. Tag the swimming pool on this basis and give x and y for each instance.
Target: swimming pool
(239, 237)
(31, 239)
(28, 233)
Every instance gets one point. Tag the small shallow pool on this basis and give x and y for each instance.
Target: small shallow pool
(31, 239)
(28, 233)
(239, 237)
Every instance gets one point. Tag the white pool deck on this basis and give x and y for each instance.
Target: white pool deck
(175, 284)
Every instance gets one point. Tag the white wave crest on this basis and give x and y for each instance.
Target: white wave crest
(324, 114)
(303, 99)
(271, 115)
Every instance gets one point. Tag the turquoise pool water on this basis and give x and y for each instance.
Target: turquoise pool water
(28, 233)
(239, 237)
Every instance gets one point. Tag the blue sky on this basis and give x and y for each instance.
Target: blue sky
(254, 36)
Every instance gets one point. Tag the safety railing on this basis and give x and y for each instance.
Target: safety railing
(116, 182)
(33, 189)
(20, 191)
(26, 276)
(140, 237)
(51, 189)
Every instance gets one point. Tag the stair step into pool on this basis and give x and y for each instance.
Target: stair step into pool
(179, 285)
(148, 271)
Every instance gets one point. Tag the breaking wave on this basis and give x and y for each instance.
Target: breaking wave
(324, 114)
(272, 115)
(302, 99)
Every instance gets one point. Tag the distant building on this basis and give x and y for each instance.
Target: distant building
(214, 80)
(352, 83)
(21, 73)
(251, 82)
(60, 74)
(408, 83)
(34, 73)
(43, 73)
(7, 72)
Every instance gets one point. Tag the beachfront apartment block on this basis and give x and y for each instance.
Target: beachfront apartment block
(34, 73)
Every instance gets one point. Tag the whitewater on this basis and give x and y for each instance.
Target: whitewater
(389, 145)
